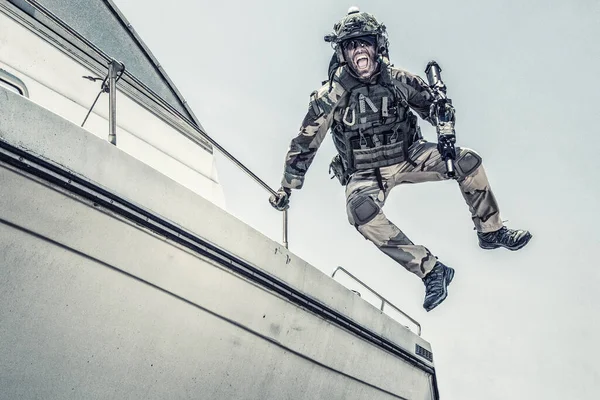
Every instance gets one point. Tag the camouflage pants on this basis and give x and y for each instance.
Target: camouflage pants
(364, 200)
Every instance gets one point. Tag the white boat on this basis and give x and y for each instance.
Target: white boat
(121, 273)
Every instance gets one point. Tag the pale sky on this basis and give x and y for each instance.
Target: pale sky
(524, 79)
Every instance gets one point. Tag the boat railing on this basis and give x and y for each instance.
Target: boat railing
(115, 71)
(384, 301)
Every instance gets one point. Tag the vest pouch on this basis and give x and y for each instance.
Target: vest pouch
(337, 168)
(380, 156)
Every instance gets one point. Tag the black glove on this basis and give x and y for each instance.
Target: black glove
(448, 113)
(442, 114)
(281, 200)
(445, 130)
(446, 146)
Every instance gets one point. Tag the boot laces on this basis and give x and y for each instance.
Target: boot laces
(509, 236)
(434, 280)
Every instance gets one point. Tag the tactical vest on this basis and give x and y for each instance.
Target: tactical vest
(376, 127)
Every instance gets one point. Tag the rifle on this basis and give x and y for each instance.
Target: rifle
(442, 114)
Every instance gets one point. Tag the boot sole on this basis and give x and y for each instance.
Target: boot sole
(448, 276)
(492, 246)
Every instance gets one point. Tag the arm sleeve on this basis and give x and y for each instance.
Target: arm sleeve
(418, 94)
(303, 147)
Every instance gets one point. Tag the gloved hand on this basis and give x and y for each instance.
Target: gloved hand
(445, 130)
(449, 113)
(281, 200)
(442, 111)
(446, 145)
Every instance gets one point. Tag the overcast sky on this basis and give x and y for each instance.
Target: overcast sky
(524, 79)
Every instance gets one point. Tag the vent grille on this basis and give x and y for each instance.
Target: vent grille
(426, 354)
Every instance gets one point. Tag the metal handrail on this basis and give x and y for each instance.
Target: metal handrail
(114, 69)
(222, 150)
(14, 82)
(383, 300)
(112, 138)
(216, 145)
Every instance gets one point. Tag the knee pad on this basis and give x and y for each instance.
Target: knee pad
(467, 163)
(362, 209)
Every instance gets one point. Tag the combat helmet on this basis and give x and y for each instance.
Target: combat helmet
(356, 24)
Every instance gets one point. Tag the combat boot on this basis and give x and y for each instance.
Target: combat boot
(512, 239)
(436, 285)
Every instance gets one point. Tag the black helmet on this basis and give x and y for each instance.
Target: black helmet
(358, 24)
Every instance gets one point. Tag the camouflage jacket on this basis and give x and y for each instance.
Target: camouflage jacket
(326, 109)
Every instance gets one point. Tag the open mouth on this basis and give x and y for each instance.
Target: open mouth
(362, 62)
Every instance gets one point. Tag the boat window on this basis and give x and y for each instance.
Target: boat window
(13, 83)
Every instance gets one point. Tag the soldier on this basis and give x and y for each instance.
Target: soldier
(367, 105)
